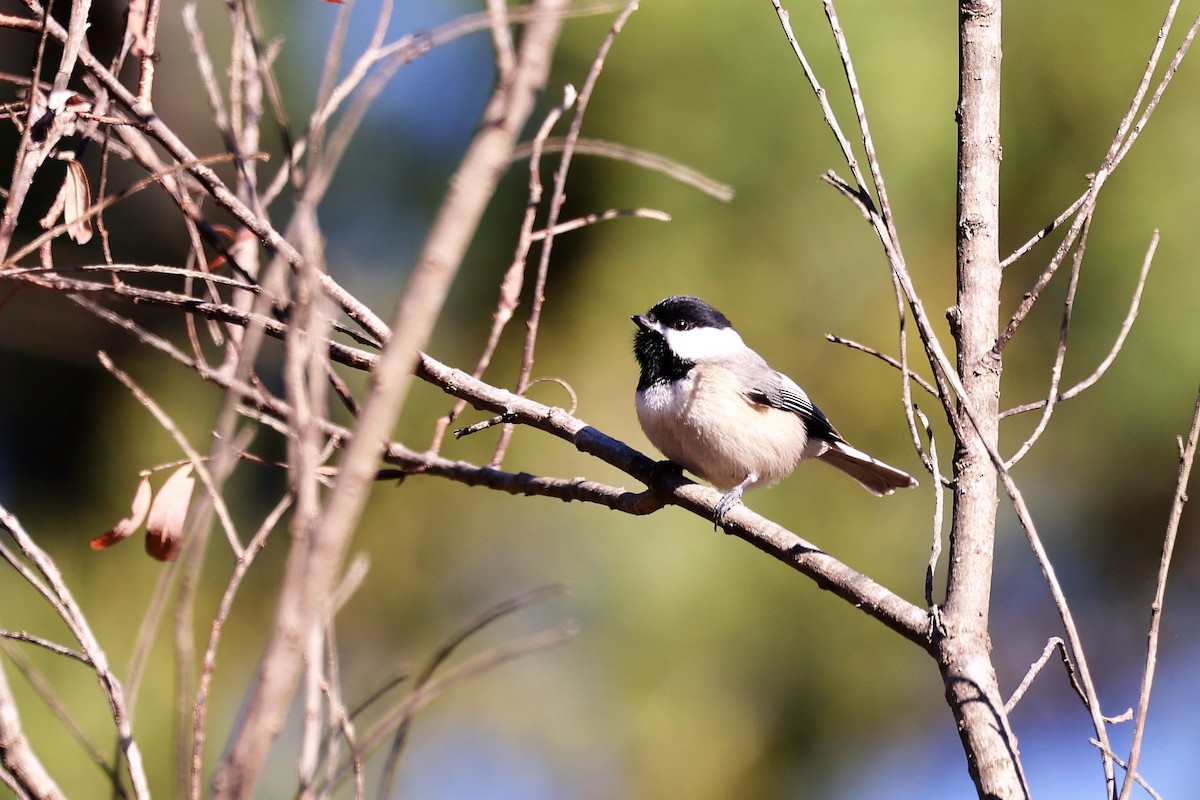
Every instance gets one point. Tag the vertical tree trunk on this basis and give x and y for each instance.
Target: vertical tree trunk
(965, 650)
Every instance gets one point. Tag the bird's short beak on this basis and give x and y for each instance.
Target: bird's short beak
(642, 322)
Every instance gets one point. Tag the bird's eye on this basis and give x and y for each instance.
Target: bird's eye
(681, 324)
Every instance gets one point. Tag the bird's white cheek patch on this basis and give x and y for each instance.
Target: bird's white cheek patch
(703, 344)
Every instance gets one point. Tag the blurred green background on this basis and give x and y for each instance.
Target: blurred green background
(703, 668)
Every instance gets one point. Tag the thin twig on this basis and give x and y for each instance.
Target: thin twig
(785, 19)
(1060, 354)
(944, 374)
(371, 72)
(208, 76)
(1090, 696)
(50, 698)
(939, 510)
(1187, 455)
(100, 205)
(640, 158)
(20, 767)
(443, 652)
(871, 351)
(860, 112)
(477, 665)
(1044, 232)
(1117, 150)
(53, 647)
(1118, 344)
(209, 662)
(1055, 643)
(600, 216)
(558, 197)
(514, 277)
(1140, 780)
(64, 603)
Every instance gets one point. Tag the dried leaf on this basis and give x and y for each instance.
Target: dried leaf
(72, 203)
(124, 528)
(164, 526)
(78, 201)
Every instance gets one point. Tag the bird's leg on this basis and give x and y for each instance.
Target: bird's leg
(731, 499)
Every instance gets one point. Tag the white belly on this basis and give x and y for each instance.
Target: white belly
(705, 425)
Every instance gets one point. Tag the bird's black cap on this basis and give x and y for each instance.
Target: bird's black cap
(684, 312)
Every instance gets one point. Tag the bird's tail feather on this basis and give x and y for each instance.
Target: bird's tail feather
(875, 476)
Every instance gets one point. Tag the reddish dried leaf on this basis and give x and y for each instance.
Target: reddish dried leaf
(124, 528)
(164, 526)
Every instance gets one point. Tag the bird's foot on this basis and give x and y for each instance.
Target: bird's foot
(731, 499)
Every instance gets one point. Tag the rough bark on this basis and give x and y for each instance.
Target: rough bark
(965, 648)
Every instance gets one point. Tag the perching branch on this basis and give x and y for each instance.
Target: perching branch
(829, 573)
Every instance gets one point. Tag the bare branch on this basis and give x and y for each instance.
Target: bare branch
(313, 565)
(208, 665)
(146, 49)
(45, 690)
(1126, 326)
(640, 158)
(443, 652)
(871, 351)
(16, 756)
(1117, 150)
(1187, 456)
(70, 612)
(599, 216)
(1140, 780)
(1060, 354)
(514, 277)
(46, 644)
(829, 573)
(1055, 643)
(557, 197)
(939, 510)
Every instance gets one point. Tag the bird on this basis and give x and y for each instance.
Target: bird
(716, 408)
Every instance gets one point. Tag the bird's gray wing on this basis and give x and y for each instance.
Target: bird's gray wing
(779, 391)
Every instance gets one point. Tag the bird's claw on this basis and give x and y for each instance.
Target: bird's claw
(731, 499)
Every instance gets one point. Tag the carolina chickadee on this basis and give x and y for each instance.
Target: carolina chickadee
(715, 407)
